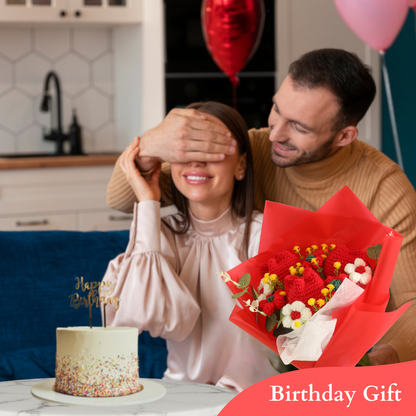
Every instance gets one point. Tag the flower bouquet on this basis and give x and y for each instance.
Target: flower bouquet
(318, 305)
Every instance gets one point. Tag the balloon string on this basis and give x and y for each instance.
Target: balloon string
(391, 111)
(235, 96)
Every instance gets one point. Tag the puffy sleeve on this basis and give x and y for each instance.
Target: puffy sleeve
(152, 296)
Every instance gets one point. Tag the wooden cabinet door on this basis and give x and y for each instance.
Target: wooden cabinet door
(107, 220)
(105, 11)
(40, 222)
(33, 11)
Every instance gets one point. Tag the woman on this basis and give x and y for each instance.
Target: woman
(167, 280)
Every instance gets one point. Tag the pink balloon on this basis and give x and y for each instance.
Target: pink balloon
(376, 22)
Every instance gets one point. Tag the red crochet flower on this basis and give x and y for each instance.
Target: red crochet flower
(341, 277)
(344, 256)
(304, 287)
(262, 303)
(269, 308)
(279, 301)
(279, 264)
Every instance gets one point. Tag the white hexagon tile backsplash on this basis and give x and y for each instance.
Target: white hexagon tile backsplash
(83, 59)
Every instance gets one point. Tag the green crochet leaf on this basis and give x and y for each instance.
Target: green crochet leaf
(237, 295)
(270, 322)
(336, 283)
(374, 251)
(244, 281)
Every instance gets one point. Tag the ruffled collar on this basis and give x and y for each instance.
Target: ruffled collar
(221, 225)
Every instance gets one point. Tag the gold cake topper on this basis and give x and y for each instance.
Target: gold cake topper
(98, 293)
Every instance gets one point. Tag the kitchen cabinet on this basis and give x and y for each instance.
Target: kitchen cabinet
(39, 222)
(60, 198)
(70, 11)
(64, 198)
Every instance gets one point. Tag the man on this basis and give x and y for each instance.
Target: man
(314, 152)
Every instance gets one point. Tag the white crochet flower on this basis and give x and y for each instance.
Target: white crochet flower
(359, 272)
(267, 290)
(295, 314)
(262, 297)
(254, 306)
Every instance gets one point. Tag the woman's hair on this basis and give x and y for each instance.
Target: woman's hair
(242, 201)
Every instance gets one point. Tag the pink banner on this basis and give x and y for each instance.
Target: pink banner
(359, 391)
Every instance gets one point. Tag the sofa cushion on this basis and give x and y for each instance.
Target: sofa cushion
(38, 271)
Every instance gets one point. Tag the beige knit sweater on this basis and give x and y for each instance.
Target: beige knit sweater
(372, 176)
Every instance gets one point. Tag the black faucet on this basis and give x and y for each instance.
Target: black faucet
(55, 135)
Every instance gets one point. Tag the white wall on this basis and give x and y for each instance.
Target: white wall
(83, 58)
(140, 74)
(128, 73)
(305, 25)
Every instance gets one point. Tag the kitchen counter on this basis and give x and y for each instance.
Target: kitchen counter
(58, 161)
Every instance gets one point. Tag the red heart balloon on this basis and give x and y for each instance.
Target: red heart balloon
(232, 30)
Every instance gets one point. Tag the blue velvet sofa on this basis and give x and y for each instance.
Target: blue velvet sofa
(37, 277)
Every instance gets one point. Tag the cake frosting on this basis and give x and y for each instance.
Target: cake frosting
(97, 362)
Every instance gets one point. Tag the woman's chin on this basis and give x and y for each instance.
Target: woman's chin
(199, 199)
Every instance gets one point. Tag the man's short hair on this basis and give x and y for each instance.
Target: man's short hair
(344, 74)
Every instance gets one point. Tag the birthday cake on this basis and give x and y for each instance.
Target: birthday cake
(97, 362)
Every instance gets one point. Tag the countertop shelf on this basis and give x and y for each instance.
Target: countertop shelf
(58, 161)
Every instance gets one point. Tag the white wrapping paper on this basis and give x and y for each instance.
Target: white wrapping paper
(308, 342)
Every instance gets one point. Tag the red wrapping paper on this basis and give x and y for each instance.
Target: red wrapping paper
(344, 219)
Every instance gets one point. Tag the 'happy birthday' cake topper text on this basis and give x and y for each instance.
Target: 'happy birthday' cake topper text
(98, 293)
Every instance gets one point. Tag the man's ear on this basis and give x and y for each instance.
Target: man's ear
(346, 136)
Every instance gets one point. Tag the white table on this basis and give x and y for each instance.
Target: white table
(182, 398)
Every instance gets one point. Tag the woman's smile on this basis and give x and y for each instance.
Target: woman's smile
(196, 178)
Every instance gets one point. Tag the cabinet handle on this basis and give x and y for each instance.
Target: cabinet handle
(77, 13)
(121, 217)
(31, 223)
(62, 13)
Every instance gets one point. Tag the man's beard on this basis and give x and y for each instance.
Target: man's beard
(306, 157)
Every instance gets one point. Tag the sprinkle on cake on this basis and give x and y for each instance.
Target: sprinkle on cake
(85, 365)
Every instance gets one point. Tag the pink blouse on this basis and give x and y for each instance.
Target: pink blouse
(168, 285)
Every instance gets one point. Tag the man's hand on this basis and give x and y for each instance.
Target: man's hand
(145, 190)
(383, 354)
(185, 135)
